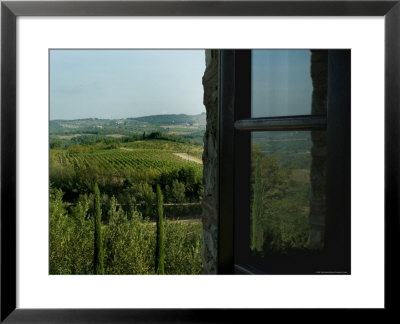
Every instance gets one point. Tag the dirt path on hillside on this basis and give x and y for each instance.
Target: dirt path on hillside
(187, 157)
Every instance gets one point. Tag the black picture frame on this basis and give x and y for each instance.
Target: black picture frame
(10, 10)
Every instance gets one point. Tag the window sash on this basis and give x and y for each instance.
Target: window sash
(236, 125)
(309, 122)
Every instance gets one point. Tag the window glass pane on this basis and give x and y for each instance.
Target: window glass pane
(282, 85)
(287, 194)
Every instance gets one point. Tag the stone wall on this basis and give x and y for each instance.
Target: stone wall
(210, 165)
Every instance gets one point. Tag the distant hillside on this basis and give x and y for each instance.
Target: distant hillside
(180, 119)
(170, 124)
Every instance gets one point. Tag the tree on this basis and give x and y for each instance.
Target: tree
(98, 259)
(176, 192)
(160, 255)
(71, 238)
(257, 211)
(80, 211)
(115, 215)
(187, 176)
(271, 205)
(144, 196)
(55, 144)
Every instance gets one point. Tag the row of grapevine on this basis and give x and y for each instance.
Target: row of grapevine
(119, 161)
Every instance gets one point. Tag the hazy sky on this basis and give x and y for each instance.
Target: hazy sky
(281, 83)
(125, 83)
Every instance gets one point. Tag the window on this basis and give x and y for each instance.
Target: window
(125, 161)
(285, 199)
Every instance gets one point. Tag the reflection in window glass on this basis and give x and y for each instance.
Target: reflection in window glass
(281, 83)
(287, 192)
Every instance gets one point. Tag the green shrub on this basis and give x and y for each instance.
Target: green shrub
(183, 247)
(71, 239)
(129, 243)
(98, 257)
(129, 240)
(160, 256)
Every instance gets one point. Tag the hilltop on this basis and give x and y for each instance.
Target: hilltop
(170, 124)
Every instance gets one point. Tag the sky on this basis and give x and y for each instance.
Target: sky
(281, 83)
(125, 83)
(133, 83)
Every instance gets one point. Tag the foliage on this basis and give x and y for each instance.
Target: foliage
(71, 239)
(129, 243)
(160, 244)
(98, 257)
(174, 128)
(182, 246)
(129, 240)
(114, 232)
(176, 193)
(129, 175)
(187, 176)
(143, 195)
(279, 205)
(257, 210)
(112, 167)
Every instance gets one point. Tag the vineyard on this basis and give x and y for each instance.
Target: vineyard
(166, 146)
(130, 171)
(124, 160)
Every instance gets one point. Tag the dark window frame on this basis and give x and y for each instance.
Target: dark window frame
(236, 125)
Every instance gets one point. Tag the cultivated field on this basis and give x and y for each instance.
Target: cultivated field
(122, 160)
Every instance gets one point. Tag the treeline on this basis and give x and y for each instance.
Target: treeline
(88, 143)
(83, 241)
(172, 119)
(131, 189)
(126, 126)
(291, 149)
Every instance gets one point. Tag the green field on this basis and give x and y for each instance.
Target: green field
(124, 160)
(166, 146)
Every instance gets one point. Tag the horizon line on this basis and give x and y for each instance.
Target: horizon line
(105, 118)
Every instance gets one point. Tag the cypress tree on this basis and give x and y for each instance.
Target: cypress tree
(98, 260)
(160, 255)
(257, 228)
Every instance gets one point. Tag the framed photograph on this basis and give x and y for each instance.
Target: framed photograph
(242, 154)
